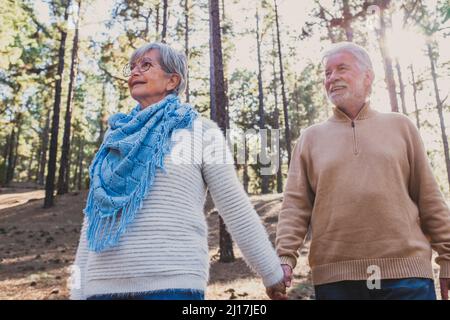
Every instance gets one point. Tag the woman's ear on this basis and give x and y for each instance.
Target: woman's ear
(173, 82)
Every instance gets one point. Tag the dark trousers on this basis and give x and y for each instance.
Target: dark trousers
(169, 294)
(390, 289)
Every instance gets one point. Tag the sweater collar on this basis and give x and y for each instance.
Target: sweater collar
(365, 113)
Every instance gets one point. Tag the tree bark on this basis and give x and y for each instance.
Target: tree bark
(347, 20)
(402, 87)
(80, 164)
(157, 22)
(164, 26)
(387, 63)
(51, 170)
(276, 119)
(63, 179)
(262, 118)
(416, 108)
(287, 132)
(219, 97)
(44, 147)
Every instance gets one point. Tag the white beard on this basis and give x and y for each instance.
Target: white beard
(349, 97)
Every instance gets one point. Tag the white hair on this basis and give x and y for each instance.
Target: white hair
(171, 61)
(361, 55)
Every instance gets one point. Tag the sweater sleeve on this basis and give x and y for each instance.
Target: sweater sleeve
(296, 210)
(433, 211)
(78, 276)
(235, 208)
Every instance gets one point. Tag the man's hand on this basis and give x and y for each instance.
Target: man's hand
(287, 270)
(277, 291)
(445, 284)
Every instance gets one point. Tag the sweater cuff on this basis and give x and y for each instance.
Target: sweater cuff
(292, 262)
(274, 278)
(445, 269)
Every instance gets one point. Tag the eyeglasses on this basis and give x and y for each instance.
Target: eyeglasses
(143, 66)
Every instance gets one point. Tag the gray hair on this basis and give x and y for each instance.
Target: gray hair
(171, 61)
(361, 55)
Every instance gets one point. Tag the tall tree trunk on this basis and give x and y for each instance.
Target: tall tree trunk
(101, 119)
(186, 44)
(347, 20)
(63, 179)
(44, 147)
(164, 26)
(10, 156)
(262, 118)
(19, 121)
(80, 164)
(416, 108)
(439, 109)
(51, 171)
(13, 148)
(283, 90)
(276, 119)
(7, 151)
(30, 164)
(387, 62)
(219, 97)
(402, 87)
(157, 22)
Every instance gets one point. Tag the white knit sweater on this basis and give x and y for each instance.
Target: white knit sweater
(166, 247)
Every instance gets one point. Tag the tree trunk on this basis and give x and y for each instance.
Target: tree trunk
(402, 87)
(30, 164)
(262, 118)
(80, 164)
(101, 120)
(276, 119)
(387, 62)
(44, 147)
(16, 144)
(51, 171)
(414, 85)
(164, 26)
(219, 98)
(439, 109)
(347, 20)
(9, 156)
(186, 44)
(63, 179)
(157, 22)
(283, 90)
(13, 148)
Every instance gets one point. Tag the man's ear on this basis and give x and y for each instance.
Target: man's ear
(174, 81)
(368, 78)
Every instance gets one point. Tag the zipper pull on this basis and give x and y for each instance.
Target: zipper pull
(353, 124)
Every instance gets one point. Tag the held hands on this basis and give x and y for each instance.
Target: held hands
(278, 291)
(445, 285)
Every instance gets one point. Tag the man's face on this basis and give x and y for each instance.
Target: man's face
(345, 83)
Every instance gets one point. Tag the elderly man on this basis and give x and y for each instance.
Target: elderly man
(361, 180)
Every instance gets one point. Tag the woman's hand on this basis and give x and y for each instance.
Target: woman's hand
(277, 291)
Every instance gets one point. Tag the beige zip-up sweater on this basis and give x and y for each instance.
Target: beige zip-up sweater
(367, 190)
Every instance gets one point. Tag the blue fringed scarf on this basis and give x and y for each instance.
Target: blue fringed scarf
(123, 170)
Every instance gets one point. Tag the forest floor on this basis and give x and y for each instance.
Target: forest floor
(37, 248)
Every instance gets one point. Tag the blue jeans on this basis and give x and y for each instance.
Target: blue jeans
(390, 289)
(169, 294)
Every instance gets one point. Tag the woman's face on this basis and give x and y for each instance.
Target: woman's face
(150, 86)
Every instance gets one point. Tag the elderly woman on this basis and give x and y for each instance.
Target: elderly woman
(144, 234)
